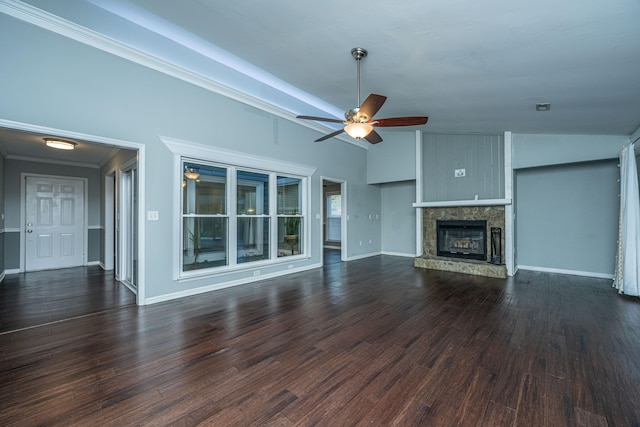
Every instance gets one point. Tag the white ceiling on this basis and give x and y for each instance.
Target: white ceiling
(471, 66)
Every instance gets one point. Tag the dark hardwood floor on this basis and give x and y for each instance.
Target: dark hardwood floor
(368, 342)
(32, 299)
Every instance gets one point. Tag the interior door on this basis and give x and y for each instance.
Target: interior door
(54, 223)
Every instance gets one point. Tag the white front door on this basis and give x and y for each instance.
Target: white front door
(54, 223)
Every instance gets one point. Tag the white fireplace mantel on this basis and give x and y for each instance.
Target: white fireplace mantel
(456, 203)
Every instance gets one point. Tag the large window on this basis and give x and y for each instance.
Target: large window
(253, 216)
(204, 217)
(290, 218)
(233, 217)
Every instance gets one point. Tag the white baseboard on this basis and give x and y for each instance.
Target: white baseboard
(563, 271)
(92, 263)
(104, 267)
(402, 254)
(369, 255)
(12, 271)
(215, 287)
(2, 276)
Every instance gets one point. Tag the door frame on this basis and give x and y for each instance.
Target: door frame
(120, 239)
(23, 213)
(108, 262)
(343, 219)
(141, 150)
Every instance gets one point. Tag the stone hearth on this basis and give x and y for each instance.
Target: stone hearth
(494, 215)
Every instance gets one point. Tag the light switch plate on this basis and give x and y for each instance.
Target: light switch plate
(459, 173)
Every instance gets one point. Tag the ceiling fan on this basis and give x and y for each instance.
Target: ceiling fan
(359, 121)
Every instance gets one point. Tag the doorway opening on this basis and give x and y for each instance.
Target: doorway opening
(86, 178)
(334, 220)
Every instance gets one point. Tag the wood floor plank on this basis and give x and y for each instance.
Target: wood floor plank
(368, 342)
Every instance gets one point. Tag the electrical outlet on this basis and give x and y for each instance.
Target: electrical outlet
(459, 173)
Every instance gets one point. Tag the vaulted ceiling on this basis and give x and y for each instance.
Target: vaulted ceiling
(472, 67)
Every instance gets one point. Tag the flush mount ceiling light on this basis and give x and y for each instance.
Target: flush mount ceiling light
(59, 144)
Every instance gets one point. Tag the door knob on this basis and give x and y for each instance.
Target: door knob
(29, 231)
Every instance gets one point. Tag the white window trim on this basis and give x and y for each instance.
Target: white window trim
(233, 160)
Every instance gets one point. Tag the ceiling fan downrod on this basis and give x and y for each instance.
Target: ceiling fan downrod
(358, 53)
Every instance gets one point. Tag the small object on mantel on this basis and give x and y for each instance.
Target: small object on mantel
(476, 197)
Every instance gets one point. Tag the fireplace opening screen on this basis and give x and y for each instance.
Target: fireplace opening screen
(462, 239)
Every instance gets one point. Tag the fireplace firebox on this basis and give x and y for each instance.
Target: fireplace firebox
(462, 239)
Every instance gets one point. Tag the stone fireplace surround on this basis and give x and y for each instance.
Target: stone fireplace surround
(495, 217)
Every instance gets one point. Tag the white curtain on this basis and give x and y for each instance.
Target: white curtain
(627, 266)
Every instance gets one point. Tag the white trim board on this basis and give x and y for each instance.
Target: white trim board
(455, 203)
(565, 271)
(401, 254)
(200, 151)
(362, 256)
(217, 286)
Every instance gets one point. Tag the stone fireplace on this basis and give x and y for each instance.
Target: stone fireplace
(488, 217)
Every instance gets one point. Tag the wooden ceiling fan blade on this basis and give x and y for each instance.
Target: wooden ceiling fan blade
(373, 137)
(331, 135)
(371, 105)
(402, 121)
(320, 119)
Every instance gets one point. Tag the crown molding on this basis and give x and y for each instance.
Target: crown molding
(64, 27)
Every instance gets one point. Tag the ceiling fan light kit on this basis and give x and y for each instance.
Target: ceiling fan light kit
(359, 121)
(358, 130)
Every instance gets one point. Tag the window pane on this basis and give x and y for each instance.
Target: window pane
(204, 189)
(335, 205)
(253, 239)
(289, 195)
(253, 193)
(290, 236)
(204, 243)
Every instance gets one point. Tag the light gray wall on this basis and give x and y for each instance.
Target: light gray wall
(482, 157)
(567, 216)
(99, 94)
(542, 150)
(11, 251)
(398, 218)
(394, 159)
